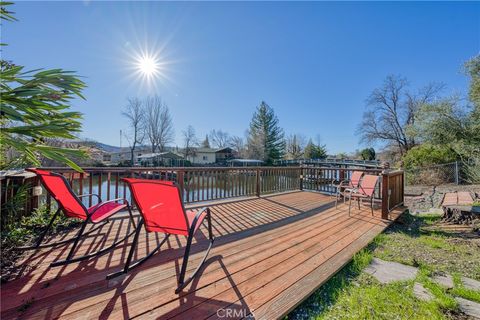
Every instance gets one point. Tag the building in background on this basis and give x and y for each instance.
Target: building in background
(160, 159)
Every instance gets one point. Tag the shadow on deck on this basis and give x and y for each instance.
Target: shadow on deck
(270, 254)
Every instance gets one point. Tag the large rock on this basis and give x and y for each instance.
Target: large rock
(387, 271)
(469, 307)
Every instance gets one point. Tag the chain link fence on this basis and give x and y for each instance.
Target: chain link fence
(434, 175)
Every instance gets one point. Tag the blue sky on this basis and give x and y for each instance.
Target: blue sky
(315, 63)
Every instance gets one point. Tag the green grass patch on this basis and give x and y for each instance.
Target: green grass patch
(419, 240)
(459, 289)
(416, 241)
(351, 294)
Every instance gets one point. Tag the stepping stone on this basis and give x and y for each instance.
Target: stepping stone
(421, 293)
(469, 307)
(447, 281)
(464, 198)
(387, 271)
(471, 283)
(444, 280)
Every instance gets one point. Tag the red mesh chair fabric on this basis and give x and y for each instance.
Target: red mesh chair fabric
(367, 187)
(105, 210)
(160, 204)
(355, 179)
(60, 190)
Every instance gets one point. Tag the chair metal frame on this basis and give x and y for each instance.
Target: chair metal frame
(182, 283)
(360, 194)
(81, 233)
(347, 186)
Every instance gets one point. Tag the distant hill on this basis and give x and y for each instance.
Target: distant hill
(102, 146)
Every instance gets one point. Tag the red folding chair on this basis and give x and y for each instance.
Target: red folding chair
(161, 208)
(71, 205)
(366, 190)
(347, 185)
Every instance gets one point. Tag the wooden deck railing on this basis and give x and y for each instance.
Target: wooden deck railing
(208, 184)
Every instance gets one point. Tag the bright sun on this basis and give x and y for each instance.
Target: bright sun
(148, 66)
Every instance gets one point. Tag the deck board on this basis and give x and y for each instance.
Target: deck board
(270, 254)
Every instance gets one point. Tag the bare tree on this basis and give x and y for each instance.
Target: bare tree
(190, 141)
(219, 138)
(136, 133)
(391, 113)
(238, 145)
(158, 123)
(295, 145)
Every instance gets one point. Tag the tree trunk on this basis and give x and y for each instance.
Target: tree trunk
(461, 214)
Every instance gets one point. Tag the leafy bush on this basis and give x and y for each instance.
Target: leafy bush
(368, 154)
(27, 229)
(427, 155)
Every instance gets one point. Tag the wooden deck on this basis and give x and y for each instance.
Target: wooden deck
(270, 254)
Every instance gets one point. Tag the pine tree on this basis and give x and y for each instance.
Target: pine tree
(206, 143)
(266, 137)
(313, 151)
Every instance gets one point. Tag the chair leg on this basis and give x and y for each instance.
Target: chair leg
(349, 205)
(131, 217)
(182, 283)
(98, 253)
(371, 205)
(133, 247)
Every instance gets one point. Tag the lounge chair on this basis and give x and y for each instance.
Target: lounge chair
(345, 186)
(366, 190)
(71, 205)
(161, 208)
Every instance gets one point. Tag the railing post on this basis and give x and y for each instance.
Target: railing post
(301, 178)
(341, 174)
(385, 195)
(34, 200)
(258, 182)
(181, 182)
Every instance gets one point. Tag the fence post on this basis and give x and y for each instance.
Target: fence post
(385, 195)
(456, 173)
(258, 182)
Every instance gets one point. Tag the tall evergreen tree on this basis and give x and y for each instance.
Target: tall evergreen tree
(266, 138)
(205, 143)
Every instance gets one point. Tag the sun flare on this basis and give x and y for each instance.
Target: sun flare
(148, 66)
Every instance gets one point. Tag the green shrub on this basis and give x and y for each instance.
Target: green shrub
(428, 154)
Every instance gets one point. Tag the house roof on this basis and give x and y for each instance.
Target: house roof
(211, 150)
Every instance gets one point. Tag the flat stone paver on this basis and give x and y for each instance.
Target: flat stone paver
(444, 280)
(387, 271)
(469, 307)
(447, 281)
(421, 293)
(471, 283)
